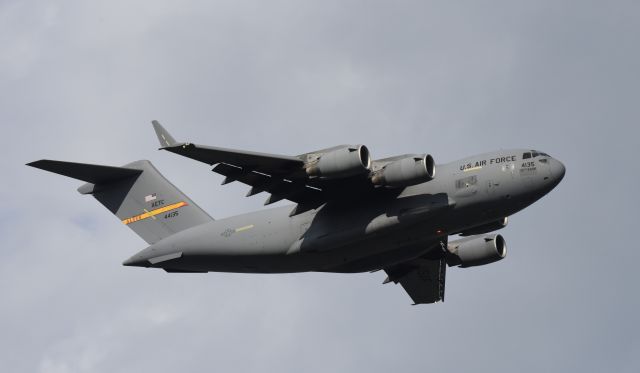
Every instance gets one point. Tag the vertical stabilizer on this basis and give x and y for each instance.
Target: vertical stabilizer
(137, 194)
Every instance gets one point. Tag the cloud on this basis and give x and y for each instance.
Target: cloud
(81, 82)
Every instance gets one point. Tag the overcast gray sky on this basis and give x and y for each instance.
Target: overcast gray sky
(82, 80)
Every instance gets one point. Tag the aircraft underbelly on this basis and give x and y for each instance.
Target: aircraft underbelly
(340, 240)
(364, 253)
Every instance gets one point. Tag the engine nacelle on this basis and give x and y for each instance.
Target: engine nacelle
(406, 171)
(476, 251)
(342, 162)
(486, 228)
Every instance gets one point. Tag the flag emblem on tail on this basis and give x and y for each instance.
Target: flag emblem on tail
(150, 197)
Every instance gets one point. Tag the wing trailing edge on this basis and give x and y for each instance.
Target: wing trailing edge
(282, 176)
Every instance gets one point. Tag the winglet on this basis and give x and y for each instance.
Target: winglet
(166, 140)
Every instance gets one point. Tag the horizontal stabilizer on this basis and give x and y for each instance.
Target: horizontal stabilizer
(95, 174)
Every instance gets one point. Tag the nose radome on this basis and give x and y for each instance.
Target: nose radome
(557, 170)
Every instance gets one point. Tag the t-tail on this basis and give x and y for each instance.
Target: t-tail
(137, 194)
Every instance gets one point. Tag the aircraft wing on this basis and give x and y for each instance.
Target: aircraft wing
(423, 279)
(280, 186)
(260, 162)
(282, 176)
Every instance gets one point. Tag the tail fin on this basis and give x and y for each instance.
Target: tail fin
(137, 194)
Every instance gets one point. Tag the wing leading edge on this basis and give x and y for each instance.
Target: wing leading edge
(262, 162)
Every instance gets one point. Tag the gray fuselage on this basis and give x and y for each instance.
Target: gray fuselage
(367, 233)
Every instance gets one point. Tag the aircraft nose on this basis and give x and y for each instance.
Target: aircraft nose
(557, 170)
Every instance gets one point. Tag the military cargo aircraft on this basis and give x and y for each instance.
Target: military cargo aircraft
(351, 213)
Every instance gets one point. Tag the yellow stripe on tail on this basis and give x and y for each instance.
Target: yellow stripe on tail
(152, 213)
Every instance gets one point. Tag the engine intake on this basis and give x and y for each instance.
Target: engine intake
(476, 251)
(342, 162)
(406, 171)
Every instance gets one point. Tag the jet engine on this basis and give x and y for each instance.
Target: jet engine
(476, 251)
(406, 171)
(342, 162)
(486, 228)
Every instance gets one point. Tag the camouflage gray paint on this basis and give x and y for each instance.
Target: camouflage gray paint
(341, 224)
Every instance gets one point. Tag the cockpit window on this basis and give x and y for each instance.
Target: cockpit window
(536, 153)
(526, 155)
